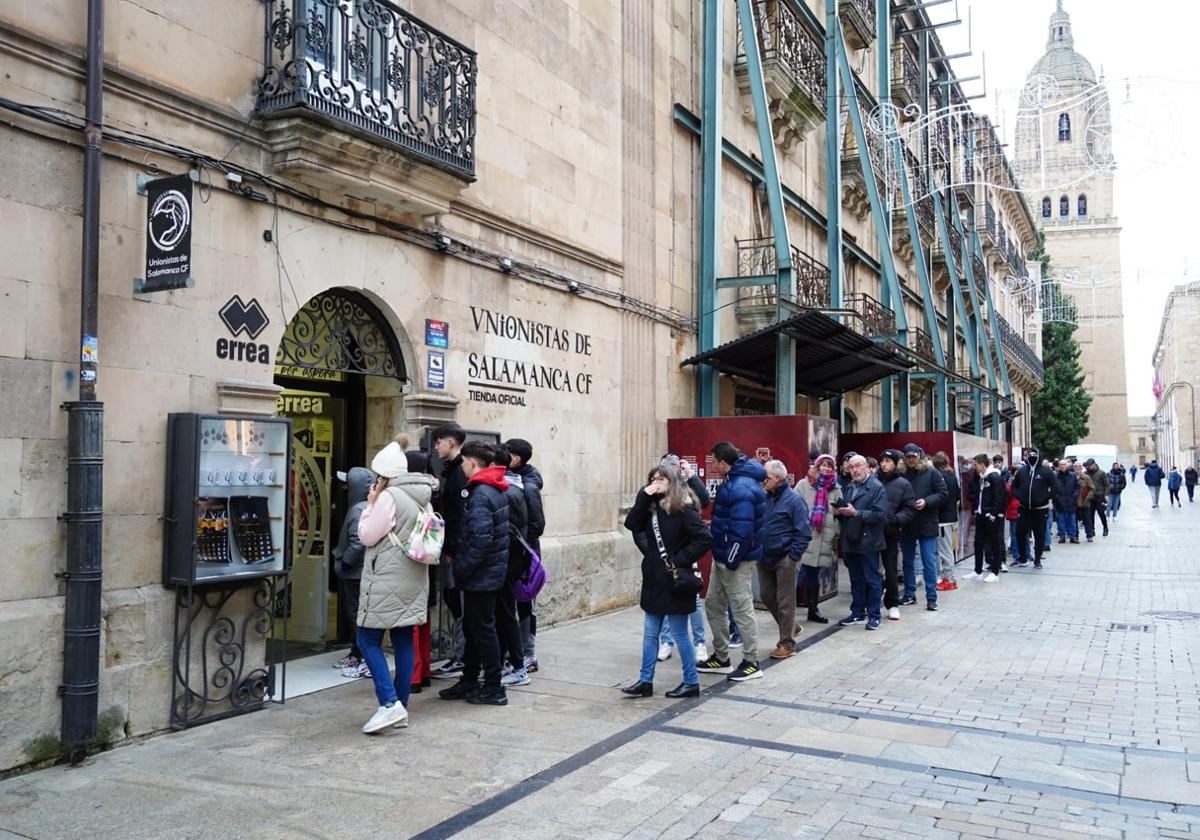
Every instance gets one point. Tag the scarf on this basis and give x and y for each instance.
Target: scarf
(821, 501)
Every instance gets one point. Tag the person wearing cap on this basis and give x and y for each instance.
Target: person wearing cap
(820, 492)
(900, 512)
(929, 492)
(348, 557)
(395, 589)
(1100, 493)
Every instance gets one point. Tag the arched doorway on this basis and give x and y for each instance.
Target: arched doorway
(338, 357)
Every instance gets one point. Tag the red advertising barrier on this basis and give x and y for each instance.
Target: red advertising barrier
(794, 440)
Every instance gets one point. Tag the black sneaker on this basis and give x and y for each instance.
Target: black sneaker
(746, 671)
(931, 606)
(461, 690)
(852, 619)
(908, 601)
(712, 665)
(873, 624)
(488, 697)
(451, 670)
(1037, 565)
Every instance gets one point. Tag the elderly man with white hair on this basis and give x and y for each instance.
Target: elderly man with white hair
(787, 534)
(863, 511)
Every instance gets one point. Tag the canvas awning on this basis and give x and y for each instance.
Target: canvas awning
(831, 358)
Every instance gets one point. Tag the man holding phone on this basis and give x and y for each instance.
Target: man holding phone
(864, 513)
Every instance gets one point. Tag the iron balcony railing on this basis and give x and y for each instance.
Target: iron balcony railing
(906, 79)
(921, 343)
(370, 66)
(784, 38)
(1018, 349)
(979, 270)
(955, 244)
(757, 257)
(858, 18)
(875, 318)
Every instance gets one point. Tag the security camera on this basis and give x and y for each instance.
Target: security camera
(506, 265)
(444, 242)
(573, 287)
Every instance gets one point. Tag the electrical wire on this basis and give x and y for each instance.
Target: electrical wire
(470, 253)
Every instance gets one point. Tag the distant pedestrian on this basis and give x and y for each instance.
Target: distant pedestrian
(900, 511)
(1100, 487)
(667, 527)
(1133, 474)
(1083, 506)
(947, 522)
(1154, 479)
(1066, 500)
(737, 532)
(1032, 484)
(863, 513)
(1190, 477)
(989, 520)
(786, 535)
(929, 492)
(1116, 486)
(1174, 482)
(821, 493)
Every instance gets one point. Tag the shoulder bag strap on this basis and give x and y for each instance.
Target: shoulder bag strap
(662, 549)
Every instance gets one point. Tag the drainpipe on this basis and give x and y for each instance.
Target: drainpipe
(85, 444)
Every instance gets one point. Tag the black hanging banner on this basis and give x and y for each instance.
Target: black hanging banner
(168, 235)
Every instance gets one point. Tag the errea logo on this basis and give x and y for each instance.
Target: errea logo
(249, 318)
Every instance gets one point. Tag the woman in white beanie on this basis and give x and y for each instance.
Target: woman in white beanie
(394, 587)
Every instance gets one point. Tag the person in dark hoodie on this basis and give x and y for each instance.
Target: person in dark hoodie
(1033, 486)
(1066, 498)
(480, 567)
(532, 485)
(900, 511)
(447, 443)
(863, 515)
(1190, 478)
(738, 515)
(508, 627)
(347, 563)
(1100, 491)
(1116, 486)
(929, 492)
(990, 505)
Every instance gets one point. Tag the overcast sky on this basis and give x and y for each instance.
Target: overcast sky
(1152, 72)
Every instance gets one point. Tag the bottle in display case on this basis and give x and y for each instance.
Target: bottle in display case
(227, 497)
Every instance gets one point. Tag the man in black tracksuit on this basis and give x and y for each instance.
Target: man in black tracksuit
(1033, 486)
(990, 505)
(447, 443)
(532, 485)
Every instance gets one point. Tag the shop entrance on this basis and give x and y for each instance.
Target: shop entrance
(333, 362)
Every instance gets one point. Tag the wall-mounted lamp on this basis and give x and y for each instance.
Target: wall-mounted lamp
(506, 265)
(444, 242)
(573, 288)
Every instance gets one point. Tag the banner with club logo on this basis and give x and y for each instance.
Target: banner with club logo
(168, 235)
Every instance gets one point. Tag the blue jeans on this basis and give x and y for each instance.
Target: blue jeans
(370, 642)
(1049, 533)
(697, 619)
(651, 631)
(929, 565)
(1114, 504)
(1068, 525)
(866, 583)
(1014, 544)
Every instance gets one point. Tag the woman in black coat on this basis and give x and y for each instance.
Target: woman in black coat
(684, 540)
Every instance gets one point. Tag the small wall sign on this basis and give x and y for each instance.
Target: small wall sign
(436, 377)
(437, 333)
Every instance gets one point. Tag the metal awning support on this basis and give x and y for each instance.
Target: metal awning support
(941, 218)
(707, 334)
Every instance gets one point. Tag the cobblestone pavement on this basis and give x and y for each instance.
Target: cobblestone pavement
(1017, 710)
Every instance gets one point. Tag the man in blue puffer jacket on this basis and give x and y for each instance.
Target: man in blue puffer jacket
(739, 514)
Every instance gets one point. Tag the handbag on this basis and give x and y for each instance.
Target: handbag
(684, 581)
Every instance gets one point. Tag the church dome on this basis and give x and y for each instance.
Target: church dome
(1060, 61)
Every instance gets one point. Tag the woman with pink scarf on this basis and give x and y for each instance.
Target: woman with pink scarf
(820, 490)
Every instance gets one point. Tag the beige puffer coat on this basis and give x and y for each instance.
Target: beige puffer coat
(395, 588)
(821, 550)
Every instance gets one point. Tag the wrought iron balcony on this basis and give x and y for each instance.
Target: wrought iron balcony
(875, 318)
(979, 269)
(369, 67)
(756, 257)
(793, 59)
(906, 78)
(1019, 351)
(939, 253)
(921, 343)
(987, 230)
(858, 22)
(855, 197)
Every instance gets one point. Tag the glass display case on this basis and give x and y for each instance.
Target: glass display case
(227, 498)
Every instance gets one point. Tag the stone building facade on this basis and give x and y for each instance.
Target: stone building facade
(1176, 375)
(536, 198)
(1064, 162)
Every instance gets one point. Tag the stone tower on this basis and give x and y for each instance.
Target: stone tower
(1065, 166)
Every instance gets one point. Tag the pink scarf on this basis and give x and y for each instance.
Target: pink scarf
(821, 502)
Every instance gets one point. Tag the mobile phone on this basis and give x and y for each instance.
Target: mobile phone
(840, 503)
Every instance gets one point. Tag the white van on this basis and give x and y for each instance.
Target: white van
(1105, 454)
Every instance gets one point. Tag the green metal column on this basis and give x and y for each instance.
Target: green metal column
(883, 42)
(833, 156)
(707, 378)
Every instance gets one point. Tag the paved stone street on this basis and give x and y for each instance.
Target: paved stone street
(1014, 711)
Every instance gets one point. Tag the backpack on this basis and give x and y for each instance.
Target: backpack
(424, 542)
(530, 584)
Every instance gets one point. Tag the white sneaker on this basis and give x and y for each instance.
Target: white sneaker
(356, 671)
(972, 576)
(665, 649)
(894, 614)
(990, 577)
(701, 652)
(393, 715)
(520, 677)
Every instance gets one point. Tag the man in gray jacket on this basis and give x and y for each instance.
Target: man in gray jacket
(863, 516)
